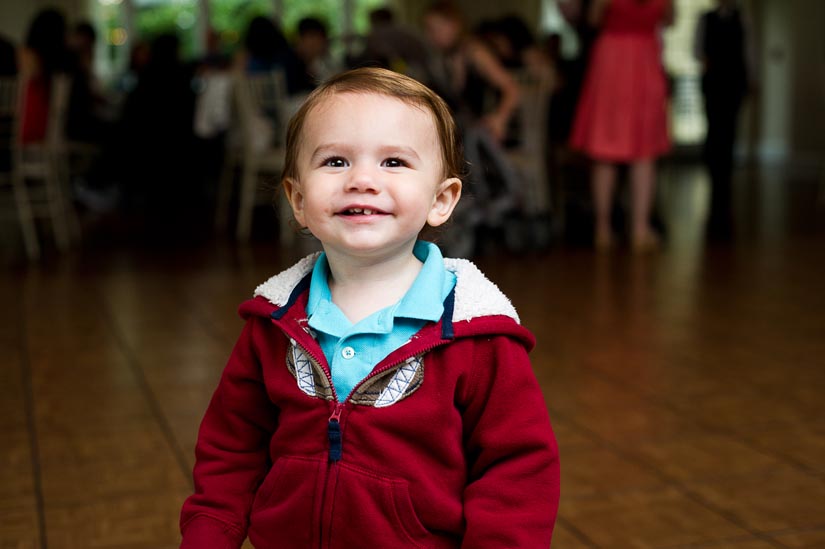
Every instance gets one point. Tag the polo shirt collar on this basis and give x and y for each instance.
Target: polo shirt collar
(423, 301)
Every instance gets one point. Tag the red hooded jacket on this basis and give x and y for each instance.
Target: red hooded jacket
(446, 444)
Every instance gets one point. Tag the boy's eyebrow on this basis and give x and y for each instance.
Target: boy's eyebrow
(403, 149)
(329, 147)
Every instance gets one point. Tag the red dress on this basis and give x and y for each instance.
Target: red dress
(622, 110)
(35, 118)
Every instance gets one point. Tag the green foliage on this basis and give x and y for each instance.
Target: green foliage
(361, 17)
(230, 18)
(177, 18)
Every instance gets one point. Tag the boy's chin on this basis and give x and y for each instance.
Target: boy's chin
(373, 247)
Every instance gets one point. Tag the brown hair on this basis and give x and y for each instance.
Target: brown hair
(381, 82)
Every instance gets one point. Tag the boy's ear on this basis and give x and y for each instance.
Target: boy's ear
(292, 189)
(446, 198)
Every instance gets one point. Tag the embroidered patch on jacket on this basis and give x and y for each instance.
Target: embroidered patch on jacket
(382, 390)
(308, 373)
(391, 386)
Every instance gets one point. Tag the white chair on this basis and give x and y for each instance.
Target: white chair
(530, 156)
(10, 98)
(38, 175)
(261, 109)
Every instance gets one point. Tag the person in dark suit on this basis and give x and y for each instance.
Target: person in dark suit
(721, 47)
(8, 58)
(8, 67)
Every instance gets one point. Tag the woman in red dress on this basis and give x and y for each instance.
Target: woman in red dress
(45, 54)
(622, 112)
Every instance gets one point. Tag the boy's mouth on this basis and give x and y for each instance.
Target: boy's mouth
(360, 211)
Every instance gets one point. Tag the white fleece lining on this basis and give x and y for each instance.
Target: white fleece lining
(279, 287)
(475, 294)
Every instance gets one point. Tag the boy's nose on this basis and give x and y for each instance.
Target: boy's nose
(363, 179)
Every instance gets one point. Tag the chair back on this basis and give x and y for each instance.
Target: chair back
(260, 102)
(10, 96)
(58, 112)
(530, 155)
(533, 111)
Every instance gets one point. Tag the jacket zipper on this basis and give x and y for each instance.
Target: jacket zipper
(334, 434)
(334, 431)
(334, 437)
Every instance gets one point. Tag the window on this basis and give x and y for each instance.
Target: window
(687, 116)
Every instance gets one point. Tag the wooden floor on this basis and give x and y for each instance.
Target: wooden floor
(687, 388)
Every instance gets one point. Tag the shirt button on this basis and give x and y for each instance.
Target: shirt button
(347, 352)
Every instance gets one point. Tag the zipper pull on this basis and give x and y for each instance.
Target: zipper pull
(334, 433)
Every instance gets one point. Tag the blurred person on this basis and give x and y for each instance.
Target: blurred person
(468, 68)
(466, 74)
(393, 46)
(157, 139)
(312, 49)
(721, 46)
(81, 42)
(8, 68)
(570, 70)
(514, 44)
(8, 58)
(267, 49)
(86, 119)
(577, 13)
(44, 55)
(622, 112)
(139, 55)
(213, 83)
(89, 125)
(326, 397)
(101, 185)
(215, 58)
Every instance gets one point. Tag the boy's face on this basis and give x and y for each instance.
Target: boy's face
(370, 175)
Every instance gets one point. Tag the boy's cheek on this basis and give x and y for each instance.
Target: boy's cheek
(299, 218)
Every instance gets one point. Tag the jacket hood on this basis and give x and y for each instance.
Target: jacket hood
(478, 307)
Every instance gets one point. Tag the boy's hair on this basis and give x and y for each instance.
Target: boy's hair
(372, 80)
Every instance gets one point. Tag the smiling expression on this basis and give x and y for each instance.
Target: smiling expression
(370, 175)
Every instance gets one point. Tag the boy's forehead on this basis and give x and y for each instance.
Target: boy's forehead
(343, 101)
(340, 99)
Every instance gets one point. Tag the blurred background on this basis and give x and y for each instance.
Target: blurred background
(679, 324)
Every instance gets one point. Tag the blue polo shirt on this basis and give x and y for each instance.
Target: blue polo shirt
(353, 350)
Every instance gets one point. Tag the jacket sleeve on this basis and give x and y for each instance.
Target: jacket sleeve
(231, 453)
(512, 492)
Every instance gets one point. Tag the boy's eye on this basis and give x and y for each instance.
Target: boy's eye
(335, 162)
(394, 163)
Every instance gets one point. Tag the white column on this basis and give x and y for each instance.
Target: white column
(349, 15)
(202, 25)
(129, 24)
